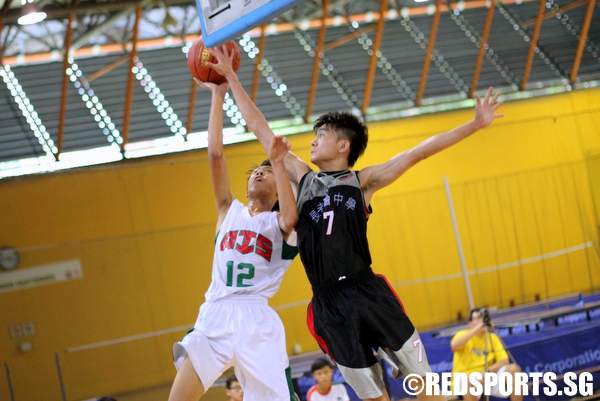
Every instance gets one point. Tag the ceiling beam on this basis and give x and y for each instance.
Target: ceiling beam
(130, 79)
(55, 11)
(314, 80)
(582, 38)
(533, 44)
(374, 53)
(429, 52)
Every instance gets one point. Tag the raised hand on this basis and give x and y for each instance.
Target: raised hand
(278, 149)
(224, 56)
(485, 110)
(214, 88)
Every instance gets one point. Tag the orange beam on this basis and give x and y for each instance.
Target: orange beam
(561, 10)
(65, 82)
(1, 43)
(582, 38)
(347, 38)
(373, 62)
(430, 46)
(482, 46)
(534, 40)
(107, 68)
(315, 68)
(5, 7)
(191, 106)
(130, 78)
(256, 76)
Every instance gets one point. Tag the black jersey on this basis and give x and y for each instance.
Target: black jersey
(332, 228)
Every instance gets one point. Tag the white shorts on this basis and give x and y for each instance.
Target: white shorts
(245, 333)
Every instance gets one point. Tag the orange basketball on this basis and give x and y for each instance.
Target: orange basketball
(199, 56)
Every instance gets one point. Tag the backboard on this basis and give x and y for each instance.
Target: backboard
(222, 20)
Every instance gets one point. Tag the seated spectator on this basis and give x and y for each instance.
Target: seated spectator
(325, 390)
(233, 389)
(478, 347)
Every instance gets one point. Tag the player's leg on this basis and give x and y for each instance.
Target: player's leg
(391, 329)
(187, 385)
(200, 360)
(261, 357)
(334, 322)
(366, 382)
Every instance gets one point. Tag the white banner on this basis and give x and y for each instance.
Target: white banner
(42, 275)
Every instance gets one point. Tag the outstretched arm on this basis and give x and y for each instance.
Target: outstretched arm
(218, 167)
(378, 176)
(257, 123)
(288, 212)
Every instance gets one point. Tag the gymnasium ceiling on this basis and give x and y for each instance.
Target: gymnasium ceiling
(102, 30)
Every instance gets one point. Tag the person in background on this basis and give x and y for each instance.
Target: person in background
(477, 347)
(233, 389)
(324, 389)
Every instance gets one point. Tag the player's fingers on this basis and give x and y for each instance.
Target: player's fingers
(497, 105)
(214, 54)
(223, 53)
(488, 94)
(477, 100)
(495, 97)
(226, 52)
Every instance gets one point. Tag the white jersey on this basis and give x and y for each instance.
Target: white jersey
(250, 256)
(337, 392)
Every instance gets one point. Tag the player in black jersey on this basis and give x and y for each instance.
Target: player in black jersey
(355, 315)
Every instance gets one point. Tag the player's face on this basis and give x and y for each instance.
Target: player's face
(327, 145)
(235, 393)
(262, 182)
(323, 376)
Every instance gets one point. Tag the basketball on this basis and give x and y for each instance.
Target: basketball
(199, 57)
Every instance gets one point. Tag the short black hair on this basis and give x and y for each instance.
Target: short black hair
(320, 364)
(351, 127)
(266, 162)
(230, 381)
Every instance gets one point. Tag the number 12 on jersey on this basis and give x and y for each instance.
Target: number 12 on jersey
(244, 271)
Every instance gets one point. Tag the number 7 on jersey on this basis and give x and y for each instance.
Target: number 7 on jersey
(329, 215)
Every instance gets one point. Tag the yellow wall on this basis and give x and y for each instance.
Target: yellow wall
(144, 229)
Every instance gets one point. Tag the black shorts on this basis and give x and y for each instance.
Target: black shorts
(350, 323)
(353, 322)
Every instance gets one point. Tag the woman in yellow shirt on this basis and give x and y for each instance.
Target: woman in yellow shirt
(476, 344)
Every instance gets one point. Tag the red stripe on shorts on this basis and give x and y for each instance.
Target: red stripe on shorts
(310, 321)
(393, 291)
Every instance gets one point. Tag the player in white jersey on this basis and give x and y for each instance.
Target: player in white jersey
(236, 327)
